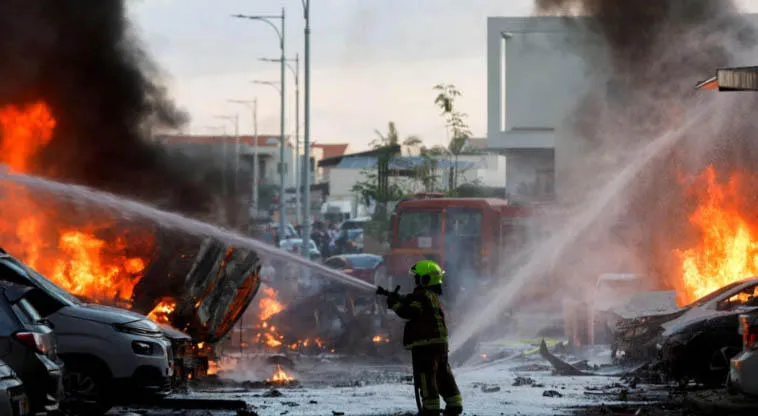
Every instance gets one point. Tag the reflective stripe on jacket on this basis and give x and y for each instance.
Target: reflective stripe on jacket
(426, 319)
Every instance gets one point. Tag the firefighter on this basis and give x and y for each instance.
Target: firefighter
(425, 334)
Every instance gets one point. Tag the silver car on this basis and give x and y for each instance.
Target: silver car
(743, 370)
(13, 400)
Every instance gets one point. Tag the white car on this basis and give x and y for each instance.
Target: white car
(111, 355)
(13, 400)
(743, 369)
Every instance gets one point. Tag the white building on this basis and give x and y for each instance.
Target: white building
(486, 170)
(534, 80)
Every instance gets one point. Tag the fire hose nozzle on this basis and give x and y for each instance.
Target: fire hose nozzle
(384, 292)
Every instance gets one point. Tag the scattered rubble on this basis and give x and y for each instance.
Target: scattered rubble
(273, 393)
(551, 393)
(523, 381)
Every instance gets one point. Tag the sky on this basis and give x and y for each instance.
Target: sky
(373, 61)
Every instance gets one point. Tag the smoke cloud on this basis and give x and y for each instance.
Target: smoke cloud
(83, 59)
(656, 51)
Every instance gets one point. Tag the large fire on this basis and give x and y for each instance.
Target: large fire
(727, 248)
(43, 234)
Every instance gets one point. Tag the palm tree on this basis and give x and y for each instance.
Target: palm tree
(392, 138)
(457, 127)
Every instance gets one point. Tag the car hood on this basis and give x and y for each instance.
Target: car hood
(102, 314)
(174, 334)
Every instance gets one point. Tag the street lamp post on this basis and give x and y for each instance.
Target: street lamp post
(298, 181)
(234, 119)
(252, 105)
(280, 31)
(306, 182)
(221, 128)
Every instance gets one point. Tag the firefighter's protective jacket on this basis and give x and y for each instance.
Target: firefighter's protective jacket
(426, 319)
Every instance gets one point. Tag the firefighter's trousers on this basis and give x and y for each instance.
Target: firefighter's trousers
(434, 377)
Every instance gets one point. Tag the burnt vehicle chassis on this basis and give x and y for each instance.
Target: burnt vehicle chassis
(345, 320)
(212, 284)
(698, 350)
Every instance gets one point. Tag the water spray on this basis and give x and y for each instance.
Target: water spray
(130, 208)
(549, 252)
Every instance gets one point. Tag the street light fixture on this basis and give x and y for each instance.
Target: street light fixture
(280, 32)
(298, 180)
(252, 105)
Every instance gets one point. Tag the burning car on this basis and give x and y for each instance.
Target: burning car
(694, 342)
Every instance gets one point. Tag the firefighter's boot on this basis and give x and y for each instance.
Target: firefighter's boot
(453, 411)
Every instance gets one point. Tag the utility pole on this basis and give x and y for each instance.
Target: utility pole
(252, 105)
(283, 146)
(298, 179)
(226, 152)
(255, 158)
(236, 155)
(307, 131)
(280, 31)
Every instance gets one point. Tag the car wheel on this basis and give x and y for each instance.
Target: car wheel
(85, 388)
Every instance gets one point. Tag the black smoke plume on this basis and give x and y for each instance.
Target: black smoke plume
(656, 52)
(83, 58)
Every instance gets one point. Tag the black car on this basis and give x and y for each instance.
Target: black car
(27, 345)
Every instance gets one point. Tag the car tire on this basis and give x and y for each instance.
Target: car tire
(85, 386)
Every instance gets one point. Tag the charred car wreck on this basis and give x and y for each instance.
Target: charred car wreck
(693, 343)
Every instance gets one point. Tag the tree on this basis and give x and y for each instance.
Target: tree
(392, 138)
(455, 122)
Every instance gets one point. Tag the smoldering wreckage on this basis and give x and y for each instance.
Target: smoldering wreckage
(228, 319)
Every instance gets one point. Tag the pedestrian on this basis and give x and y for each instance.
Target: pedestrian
(425, 335)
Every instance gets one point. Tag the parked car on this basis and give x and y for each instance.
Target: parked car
(111, 355)
(290, 231)
(367, 267)
(743, 371)
(28, 347)
(695, 342)
(358, 223)
(13, 398)
(294, 244)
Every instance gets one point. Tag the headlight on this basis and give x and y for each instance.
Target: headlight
(143, 327)
(142, 348)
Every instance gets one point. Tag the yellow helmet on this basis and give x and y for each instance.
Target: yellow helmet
(428, 272)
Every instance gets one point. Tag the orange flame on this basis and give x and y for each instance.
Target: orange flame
(72, 256)
(280, 377)
(268, 304)
(24, 132)
(161, 312)
(727, 250)
(379, 339)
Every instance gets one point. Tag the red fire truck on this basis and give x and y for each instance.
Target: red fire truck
(467, 236)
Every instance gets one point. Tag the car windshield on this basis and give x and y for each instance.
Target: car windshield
(707, 298)
(355, 235)
(364, 262)
(43, 283)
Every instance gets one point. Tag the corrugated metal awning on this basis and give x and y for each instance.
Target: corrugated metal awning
(732, 79)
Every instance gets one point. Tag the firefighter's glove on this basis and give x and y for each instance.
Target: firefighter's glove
(392, 299)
